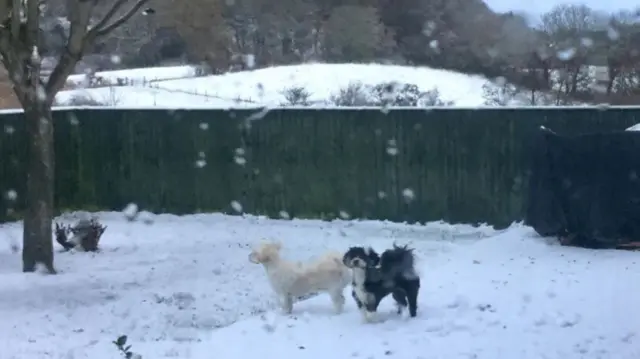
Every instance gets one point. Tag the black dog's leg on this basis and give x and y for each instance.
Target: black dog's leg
(373, 306)
(412, 289)
(400, 296)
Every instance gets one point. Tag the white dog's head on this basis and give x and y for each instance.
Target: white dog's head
(266, 252)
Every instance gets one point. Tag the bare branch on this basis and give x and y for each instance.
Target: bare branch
(103, 29)
(109, 15)
(5, 6)
(15, 20)
(79, 16)
(80, 37)
(33, 23)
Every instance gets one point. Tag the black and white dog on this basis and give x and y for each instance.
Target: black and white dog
(376, 276)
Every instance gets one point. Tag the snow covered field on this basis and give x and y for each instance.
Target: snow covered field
(164, 87)
(182, 287)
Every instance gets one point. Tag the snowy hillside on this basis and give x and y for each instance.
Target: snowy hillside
(164, 87)
(182, 287)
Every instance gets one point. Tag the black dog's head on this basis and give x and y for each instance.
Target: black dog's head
(361, 257)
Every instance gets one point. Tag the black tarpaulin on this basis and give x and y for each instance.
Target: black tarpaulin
(586, 189)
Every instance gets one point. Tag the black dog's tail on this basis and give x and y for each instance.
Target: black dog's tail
(399, 261)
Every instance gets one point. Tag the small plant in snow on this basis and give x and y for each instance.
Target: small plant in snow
(388, 94)
(296, 96)
(355, 94)
(81, 100)
(396, 94)
(432, 98)
(203, 70)
(124, 349)
(392, 94)
(112, 98)
(499, 94)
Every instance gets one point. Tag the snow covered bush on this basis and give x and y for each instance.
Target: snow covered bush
(499, 94)
(296, 96)
(81, 100)
(388, 94)
(355, 94)
(432, 98)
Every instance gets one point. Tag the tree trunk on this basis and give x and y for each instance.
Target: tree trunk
(37, 237)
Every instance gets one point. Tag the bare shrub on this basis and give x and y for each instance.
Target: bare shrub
(355, 94)
(81, 100)
(296, 96)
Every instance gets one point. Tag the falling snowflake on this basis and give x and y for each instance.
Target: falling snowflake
(392, 147)
(131, 211)
(73, 120)
(239, 156)
(408, 194)
(240, 160)
(250, 61)
(12, 195)
(567, 54)
(115, 59)
(236, 206)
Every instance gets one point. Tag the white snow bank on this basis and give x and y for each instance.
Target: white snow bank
(266, 87)
(635, 127)
(136, 76)
(146, 97)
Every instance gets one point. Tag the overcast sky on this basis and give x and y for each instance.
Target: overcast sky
(538, 7)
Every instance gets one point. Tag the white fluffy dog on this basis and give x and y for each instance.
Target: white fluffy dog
(294, 279)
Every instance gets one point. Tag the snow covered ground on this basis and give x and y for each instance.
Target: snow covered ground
(182, 287)
(177, 87)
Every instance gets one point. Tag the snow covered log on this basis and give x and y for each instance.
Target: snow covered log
(586, 189)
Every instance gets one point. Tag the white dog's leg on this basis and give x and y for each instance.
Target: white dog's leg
(363, 311)
(338, 300)
(287, 303)
(369, 317)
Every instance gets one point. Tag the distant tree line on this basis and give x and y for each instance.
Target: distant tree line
(559, 53)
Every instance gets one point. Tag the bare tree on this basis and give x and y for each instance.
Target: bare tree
(568, 29)
(622, 54)
(201, 25)
(353, 33)
(19, 48)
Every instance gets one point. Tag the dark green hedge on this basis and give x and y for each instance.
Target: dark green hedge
(462, 165)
